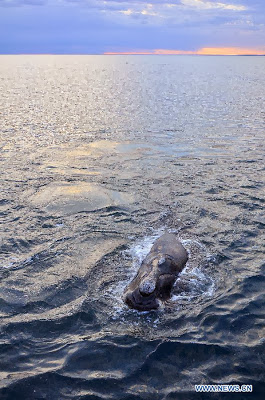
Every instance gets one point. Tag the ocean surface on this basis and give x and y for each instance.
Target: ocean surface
(99, 156)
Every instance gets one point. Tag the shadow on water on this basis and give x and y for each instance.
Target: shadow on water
(86, 194)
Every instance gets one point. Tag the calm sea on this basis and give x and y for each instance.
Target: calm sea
(99, 156)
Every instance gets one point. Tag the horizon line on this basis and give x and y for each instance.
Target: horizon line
(132, 54)
(204, 51)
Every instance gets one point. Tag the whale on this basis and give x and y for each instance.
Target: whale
(157, 274)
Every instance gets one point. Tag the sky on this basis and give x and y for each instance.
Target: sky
(124, 26)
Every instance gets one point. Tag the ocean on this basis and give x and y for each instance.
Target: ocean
(100, 155)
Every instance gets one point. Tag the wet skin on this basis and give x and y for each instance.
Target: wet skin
(156, 274)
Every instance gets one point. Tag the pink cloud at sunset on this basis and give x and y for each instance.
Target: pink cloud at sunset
(233, 51)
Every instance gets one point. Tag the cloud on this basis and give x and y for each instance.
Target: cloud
(134, 8)
(173, 13)
(159, 12)
(202, 51)
(210, 5)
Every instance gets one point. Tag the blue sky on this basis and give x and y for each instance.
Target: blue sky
(97, 26)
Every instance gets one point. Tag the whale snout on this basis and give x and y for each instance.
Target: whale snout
(143, 296)
(141, 301)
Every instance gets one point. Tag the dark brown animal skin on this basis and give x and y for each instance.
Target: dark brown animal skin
(156, 274)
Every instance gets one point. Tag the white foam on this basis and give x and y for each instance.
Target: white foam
(8, 262)
(14, 262)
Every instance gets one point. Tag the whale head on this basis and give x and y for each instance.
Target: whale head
(153, 282)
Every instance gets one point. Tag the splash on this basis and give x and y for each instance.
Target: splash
(192, 283)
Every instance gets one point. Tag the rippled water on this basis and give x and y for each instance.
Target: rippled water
(99, 156)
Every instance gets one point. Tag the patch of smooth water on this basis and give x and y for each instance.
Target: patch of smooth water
(67, 198)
